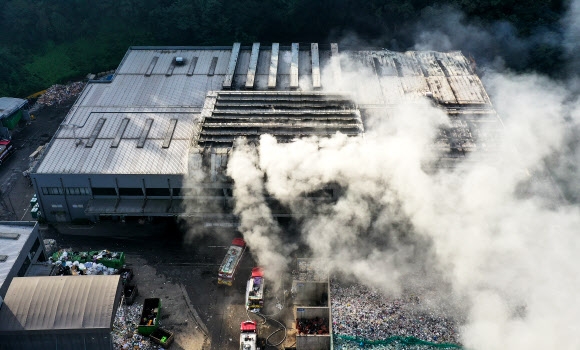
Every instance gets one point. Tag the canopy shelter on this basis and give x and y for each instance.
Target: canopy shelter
(10, 113)
(9, 105)
(60, 312)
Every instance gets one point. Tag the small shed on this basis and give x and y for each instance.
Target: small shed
(11, 111)
(60, 312)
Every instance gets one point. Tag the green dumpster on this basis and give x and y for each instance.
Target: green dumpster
(150, 316)
(12, 121)
(33, 201)
(34, 211)
(114, 260)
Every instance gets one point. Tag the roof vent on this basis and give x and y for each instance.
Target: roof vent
(179, 61)
(9, 235)
(3, 258)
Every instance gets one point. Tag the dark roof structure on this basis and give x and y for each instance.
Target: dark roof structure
(285, 115)
(60, 303)
(60, 312)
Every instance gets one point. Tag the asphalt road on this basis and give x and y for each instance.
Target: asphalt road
(15, 189)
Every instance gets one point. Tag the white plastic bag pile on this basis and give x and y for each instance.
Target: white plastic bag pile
(88, 268)
(125, 335)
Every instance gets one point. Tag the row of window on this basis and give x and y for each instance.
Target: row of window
(74, 191)
(159, 192)
(132, 191)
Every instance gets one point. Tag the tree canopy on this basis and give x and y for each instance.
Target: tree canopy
(45, 42)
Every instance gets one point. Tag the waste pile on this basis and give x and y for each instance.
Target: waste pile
(362, 312)
(124, 333)
(69, 268)
(49, 246)
(103, 262)
(315, 325)
(56, 94)
(310, 270)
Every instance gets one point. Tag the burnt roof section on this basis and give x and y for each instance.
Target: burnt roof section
(284, 115)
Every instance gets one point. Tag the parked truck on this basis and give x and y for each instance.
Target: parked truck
(6, 150)
(231, 261)
(255, 291)
(248, 335)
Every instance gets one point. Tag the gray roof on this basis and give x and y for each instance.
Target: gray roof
(60, 303)
(70, 152)
(9, 105)
(107, 130)
(12, 247)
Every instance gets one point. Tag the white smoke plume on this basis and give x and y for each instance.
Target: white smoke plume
(492, 237)
(495, 45)
(260, 230)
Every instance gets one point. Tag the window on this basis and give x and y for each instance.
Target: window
(56, 205)
(130, 191)
(52, 190)
(213, 192)
(157, 191)
(77, 191)
(184, 192)
(104, 191)
(24, 267)
(78, 206)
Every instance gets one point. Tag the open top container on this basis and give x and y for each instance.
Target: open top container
(162, 337)
(150, 316)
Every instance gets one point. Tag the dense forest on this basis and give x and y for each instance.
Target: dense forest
(43, 42)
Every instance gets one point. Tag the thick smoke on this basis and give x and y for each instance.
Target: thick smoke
(496, 44)
(261, 231)
(493, 238)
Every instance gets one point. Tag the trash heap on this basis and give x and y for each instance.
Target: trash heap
(311, 270)
(365, 313)
(56, 94)
(49, 246)
(103, 262)
(125, 334)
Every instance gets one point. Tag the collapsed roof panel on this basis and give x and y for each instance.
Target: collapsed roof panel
(286, 116)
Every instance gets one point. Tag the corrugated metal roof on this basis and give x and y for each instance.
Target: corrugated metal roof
(60, 303)
(12, 247)
(142, 89)
(68, 155)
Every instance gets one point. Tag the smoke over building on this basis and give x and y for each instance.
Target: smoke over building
(394, 167)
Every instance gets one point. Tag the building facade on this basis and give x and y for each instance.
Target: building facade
(20, 247)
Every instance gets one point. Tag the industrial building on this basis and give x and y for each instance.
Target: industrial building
(60, 312)
(20, 248)
(154, 140)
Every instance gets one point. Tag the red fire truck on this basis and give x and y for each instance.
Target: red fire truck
(255, 291)
(231, 261)
(248, 335)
